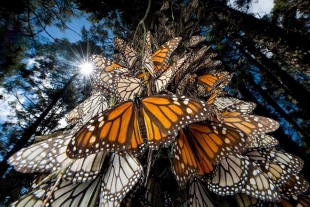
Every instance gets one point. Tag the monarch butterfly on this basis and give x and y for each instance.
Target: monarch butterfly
(218, 89)
(161, 56)
(271, 155)
(301, 200)
(50, 155)
(147, 58)
(122, 86)
(95, 104)
(160, 81)
(167, 76)
(263, 141)
(294, 186)
(246, 201)
(118, 128)
(129, 53)
(260, 186)
(277, 172)
(156, 63)
(208, 83)
(121, 174)
(231, 104)
(203, 85)
(281, 169)
(198, 194)
(204, 145)
(238, 174)
(195, 40)
(107, 65)
(65, 194)
(230, 175)
(251, 125)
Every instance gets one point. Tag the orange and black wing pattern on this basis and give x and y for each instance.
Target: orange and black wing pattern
(210, 81)
(251, 125)
(214, 141)
(205, 145)
(107, 65)
(185, 163)
(116, 129)
(161, 56)
(166, 114)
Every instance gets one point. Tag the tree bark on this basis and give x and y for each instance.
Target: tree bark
(298, 89)
(292, 87)
(286, 45)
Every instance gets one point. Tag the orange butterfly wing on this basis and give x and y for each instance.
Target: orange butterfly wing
(185, 164)
(166, 115)
(251, 125)
(107, 65)
(210, 81)
(116, 129)
(209, 144)
(213, 142)
(161, 56)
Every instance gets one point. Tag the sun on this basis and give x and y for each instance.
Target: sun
(86, 68)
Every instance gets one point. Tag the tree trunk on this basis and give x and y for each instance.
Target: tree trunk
(298, 90)
(289, 46)
(291, 86)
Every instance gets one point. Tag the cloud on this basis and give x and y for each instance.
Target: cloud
(262, 7)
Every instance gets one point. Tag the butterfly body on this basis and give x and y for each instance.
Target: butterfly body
(118, 128)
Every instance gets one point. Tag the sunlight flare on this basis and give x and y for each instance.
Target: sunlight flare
(86, 68)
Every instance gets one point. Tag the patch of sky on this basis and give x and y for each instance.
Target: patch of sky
(72, 33)
(258, 8)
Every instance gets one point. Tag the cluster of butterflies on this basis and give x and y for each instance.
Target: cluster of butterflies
(155, 106)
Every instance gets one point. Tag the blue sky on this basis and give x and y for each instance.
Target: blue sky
(76, 24)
